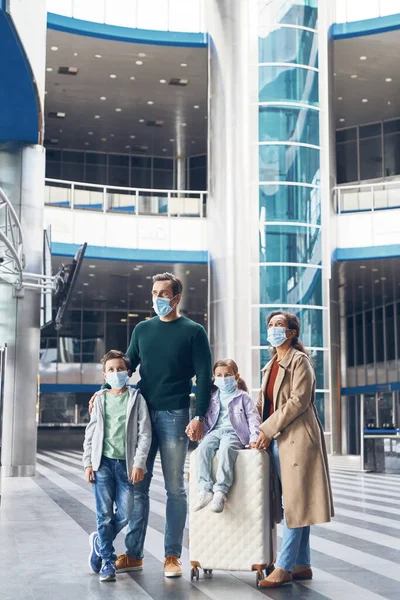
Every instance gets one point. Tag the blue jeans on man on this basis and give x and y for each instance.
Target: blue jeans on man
(170, 439)
(295, 549)
(112, 486)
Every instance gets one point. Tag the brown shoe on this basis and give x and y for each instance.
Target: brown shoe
(273, 581)
(302, 573)
(172, 567)
(125, 563)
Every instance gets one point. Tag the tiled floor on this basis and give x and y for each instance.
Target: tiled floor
(44, 526)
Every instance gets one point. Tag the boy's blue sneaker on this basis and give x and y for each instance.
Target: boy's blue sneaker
(94, 554)
(108, 570)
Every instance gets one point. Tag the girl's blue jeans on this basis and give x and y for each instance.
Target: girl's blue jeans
(295, 551)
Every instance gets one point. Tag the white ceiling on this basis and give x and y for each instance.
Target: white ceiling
(381, 62)
(79, 96)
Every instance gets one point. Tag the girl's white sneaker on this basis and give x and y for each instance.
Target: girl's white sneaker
(218, 503)
(203, 498)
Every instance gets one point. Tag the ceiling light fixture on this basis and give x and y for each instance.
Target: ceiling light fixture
(389, 102)
(113, 76)
(132, 137)
(54, 48)
(92, 266)
(141, 120)
(365, 100)
(164, 149)
(49, 69)
(172, 140)
(123, 320)
(118, 110)
(132, 78)
(363, 58)
(340, 98)
(183, 124)
(92, 275)
(139, 62)
(196, 106)
(85, 284)
(388, 79)
(97, 116)
(342, 120)
(127, 147)
(163, 81)
(183, 65)
(133, 315)
(353, 76)
(142, 54)
(103, 98)
(75, 54)
(103, 139)
(150, 102)
(98, 56)
(363, 266)
(90, 133)
(86, 143)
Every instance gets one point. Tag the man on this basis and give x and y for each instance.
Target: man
(171, 350)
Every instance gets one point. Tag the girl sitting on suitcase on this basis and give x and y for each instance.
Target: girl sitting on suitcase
(231, 423)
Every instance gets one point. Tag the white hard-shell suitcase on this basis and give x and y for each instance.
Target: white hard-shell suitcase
(243, 536)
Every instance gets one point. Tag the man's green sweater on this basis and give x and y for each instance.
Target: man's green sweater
(170, 354)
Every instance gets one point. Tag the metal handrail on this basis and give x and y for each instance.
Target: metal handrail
(128, 189)
(352, 190)
(11, 236)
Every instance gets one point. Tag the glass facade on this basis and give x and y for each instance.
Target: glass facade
(290, 247)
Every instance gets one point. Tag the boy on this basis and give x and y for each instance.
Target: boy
(117, 442)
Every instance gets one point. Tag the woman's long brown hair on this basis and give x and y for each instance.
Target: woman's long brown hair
(228, 362)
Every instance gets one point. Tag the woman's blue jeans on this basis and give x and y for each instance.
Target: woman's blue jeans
(295, 551)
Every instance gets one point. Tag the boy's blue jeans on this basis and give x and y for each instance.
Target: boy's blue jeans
(170, 439)
(228, 444)
(295, 549)
(112, 486)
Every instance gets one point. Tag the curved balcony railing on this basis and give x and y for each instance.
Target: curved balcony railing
(365, 197)
(134, 201)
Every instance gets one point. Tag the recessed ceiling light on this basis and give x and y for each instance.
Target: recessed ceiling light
(92, 275)
(85, 284)
(45, 92)
(376, 280)
(363, 267)
(130, 294)
(172, 140)
(79, 292)
(142, 54)
(54, 141)
(132, 137)
(49, 69)
(103, 139)
(183, 124)
(375, 270)
(86, 143)
(112, 134)
(163, 81)
(54, 48)
(98, 56)
(164, 149)
(133, 315)
(183, 65)
(113, 76)
(193, 141)
(127, 147)
(97, 116)
(150, 102)
(132, 78)
(75, 54)
(141, 120)
(61, 130)
(342, 120)
(388, 79)
(103, 98)
(363, 58)
(140, 285)
(118, 110)
(383, 278)
(196, 106)
(365, 100)
(139, 62)
(353, 76)
(389, 102)
(90, 133)
(92, 266)
(340, 98)
(123, 320)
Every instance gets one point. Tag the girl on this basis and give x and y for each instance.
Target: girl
(231, 423)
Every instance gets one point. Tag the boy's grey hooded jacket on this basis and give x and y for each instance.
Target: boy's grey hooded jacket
(137, 431)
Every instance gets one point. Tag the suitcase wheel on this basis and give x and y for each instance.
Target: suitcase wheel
(208, 573)
(194, 573)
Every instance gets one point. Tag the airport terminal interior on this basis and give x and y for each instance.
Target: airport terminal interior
(252, 149)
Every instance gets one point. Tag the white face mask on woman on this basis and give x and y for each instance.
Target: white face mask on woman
(277, 336)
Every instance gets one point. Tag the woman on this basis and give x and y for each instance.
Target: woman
(291, 426)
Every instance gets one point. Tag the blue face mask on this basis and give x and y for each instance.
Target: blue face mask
(162, 306)
(277, 336)
(117, 380)
(226, 384)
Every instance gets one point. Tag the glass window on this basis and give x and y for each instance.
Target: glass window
(286, 243)
(288, 163)
(141, 178)
(288, 124)
(350, 341)
(198, 161)
(162, 179)
(96, 158)
(290, 285)
(141, 162)
(96, 174)
(291, 203)
(367, 131)
(371, 164)
(390, 333)
(117, 330)
(53, 169)
(118, 160)
(304, 13)
(346, 162)
(369, 338)
(118, 176)
(359, 340)
(346, 135)
(198, 179)
(163, 163)
(311, 320)
(392, 154)
(379, 325)
(93, 338)
(288, 45)
(278, 83)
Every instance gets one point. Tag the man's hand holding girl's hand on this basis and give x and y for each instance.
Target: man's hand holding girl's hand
(195, 430)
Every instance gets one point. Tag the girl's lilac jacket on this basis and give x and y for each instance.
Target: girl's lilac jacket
(243, 414)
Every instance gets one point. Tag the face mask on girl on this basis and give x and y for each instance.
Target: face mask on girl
(162, 306)
(226, 384)
(117, 380)
(277, 336)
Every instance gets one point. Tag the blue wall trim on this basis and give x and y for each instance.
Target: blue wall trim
(371, 389)
(342, 31)
(367, 253)
(126, 34)
(19, 104)
(131, 254)
(51, 388)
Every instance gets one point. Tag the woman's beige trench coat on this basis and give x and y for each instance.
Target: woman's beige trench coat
(306, 487)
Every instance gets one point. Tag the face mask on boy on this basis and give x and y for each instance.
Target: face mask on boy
(118, 380)
(162, 306)
(226, 384)
(277, 336)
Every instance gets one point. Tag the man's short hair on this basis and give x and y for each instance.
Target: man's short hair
(116, 354)
(176, 283)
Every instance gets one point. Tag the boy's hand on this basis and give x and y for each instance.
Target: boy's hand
(91, 403)
(137, 475)
(90, 477)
